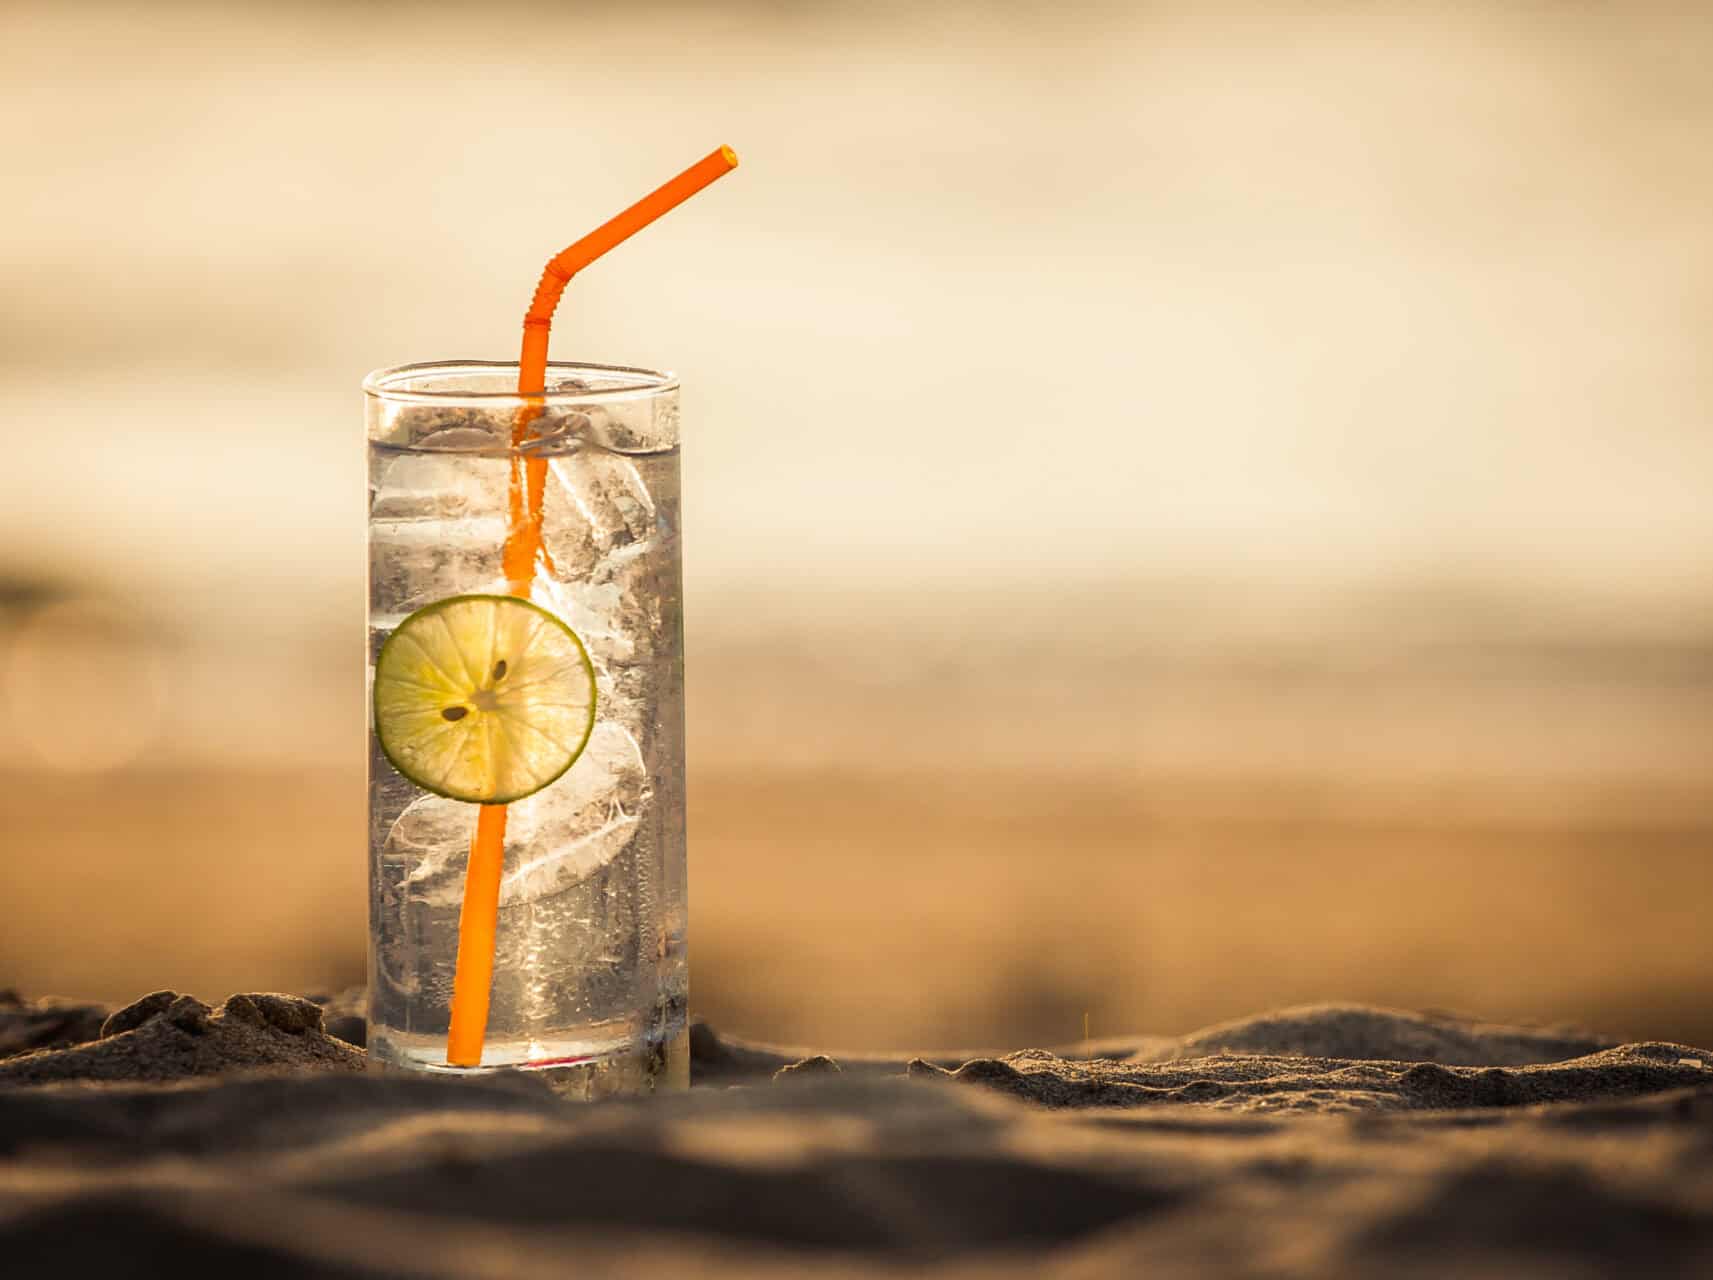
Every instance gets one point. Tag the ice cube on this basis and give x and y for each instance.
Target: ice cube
(437, 526)
(416, 562)
(554, 839)
(596, 613)
(436, 486)
(597, 515)
(555, 431)
(646, 425)
(447, 427)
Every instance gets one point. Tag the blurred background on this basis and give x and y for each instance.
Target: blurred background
(1190, 508)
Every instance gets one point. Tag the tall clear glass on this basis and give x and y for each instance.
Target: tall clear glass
(590, 981)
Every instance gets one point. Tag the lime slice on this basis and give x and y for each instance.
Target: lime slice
(483, 698)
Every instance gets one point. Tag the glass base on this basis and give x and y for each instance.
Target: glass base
(581, 1070)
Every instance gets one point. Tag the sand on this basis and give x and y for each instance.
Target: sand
(1319, 1141)
(45, 1024)
(167, 1036)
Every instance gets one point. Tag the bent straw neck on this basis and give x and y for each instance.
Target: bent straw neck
(538, 320)
(538, 327)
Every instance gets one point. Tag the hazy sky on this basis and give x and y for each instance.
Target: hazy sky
(999, 295)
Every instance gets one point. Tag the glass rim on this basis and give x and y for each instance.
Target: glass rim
(643, 383)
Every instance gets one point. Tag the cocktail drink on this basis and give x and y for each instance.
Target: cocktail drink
(589, 968)
(526, 770)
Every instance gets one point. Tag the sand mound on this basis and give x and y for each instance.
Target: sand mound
(1270, 1082)
(167, 1036)
(1357, 1032)
(1369, 1034)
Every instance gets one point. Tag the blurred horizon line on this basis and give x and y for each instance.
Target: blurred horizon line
(1125, 612)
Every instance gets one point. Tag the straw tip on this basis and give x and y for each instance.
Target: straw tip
(730, 156)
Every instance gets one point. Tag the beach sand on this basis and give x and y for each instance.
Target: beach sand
(1317, 1141)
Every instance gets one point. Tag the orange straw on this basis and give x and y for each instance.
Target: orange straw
(473, 979)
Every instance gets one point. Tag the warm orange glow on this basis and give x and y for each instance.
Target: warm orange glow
(81, 689)
(473, 978)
